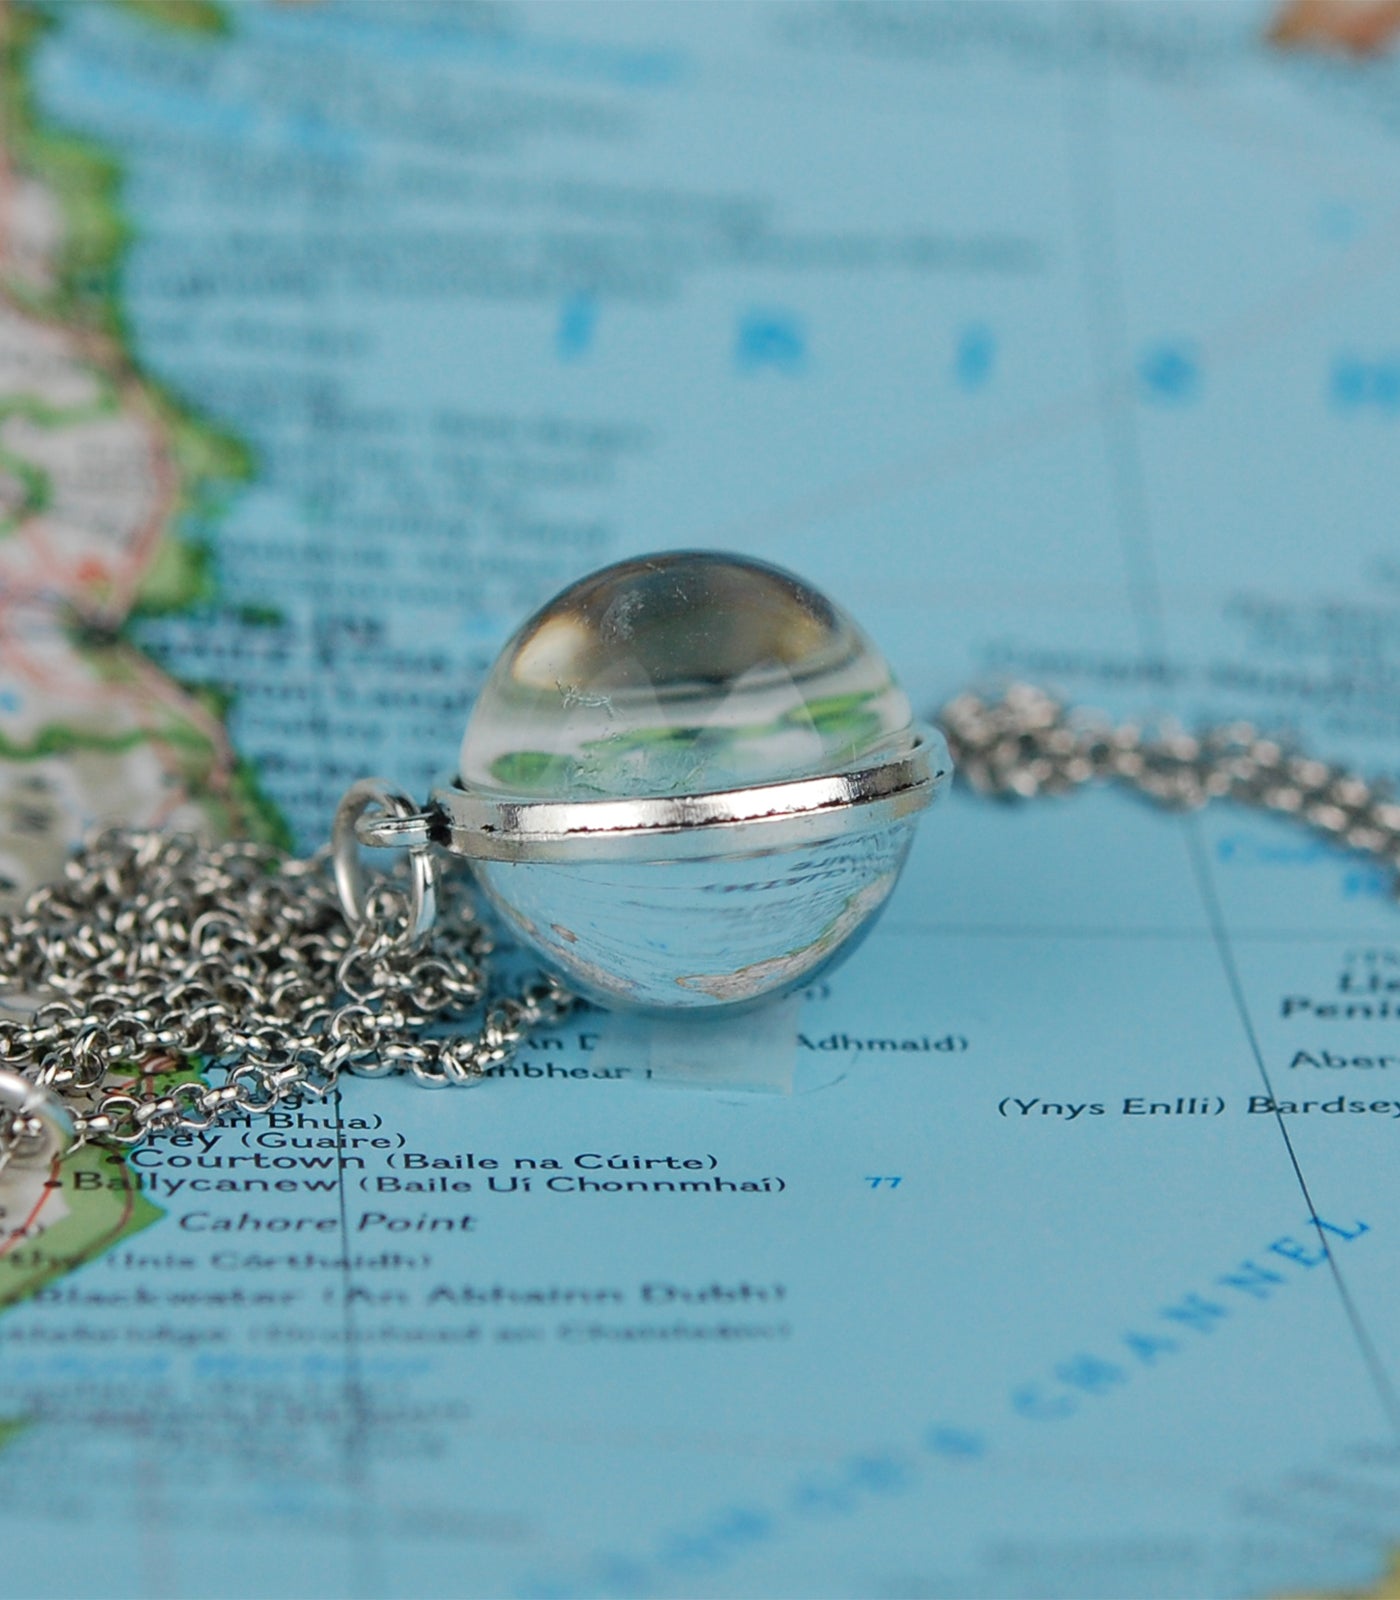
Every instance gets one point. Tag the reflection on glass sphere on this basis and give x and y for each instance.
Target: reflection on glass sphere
(680, 674)
(677, 675)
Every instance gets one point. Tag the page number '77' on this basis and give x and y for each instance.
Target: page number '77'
(884, 1183)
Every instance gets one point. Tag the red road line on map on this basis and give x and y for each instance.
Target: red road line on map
(56, 583)
(159, 693)
(99, 1245)
(166, 691)
(149, 536)
(108, 1238)
(32, 670)
(22, 1231)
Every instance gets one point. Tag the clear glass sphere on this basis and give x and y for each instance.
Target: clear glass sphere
(677, 674)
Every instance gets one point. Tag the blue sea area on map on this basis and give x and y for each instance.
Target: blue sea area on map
(1066, 355)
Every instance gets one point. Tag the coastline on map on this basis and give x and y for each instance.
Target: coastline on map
(106, 480)
(110, 736)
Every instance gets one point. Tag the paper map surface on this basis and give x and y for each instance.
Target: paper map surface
(1054, 1249)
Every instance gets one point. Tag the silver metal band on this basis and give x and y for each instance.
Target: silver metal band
(773, 816)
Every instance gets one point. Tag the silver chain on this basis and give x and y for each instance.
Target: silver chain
(161, 964)
(1027, 743)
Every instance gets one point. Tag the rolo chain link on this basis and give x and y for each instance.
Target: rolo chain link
(160, 964)
(1027, 743)
(157, 959)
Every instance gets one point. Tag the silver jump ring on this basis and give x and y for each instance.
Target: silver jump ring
(366, 795)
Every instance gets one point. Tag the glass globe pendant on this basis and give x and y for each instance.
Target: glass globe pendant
(688, 784)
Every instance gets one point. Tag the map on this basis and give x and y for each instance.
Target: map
(1050, 1246)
